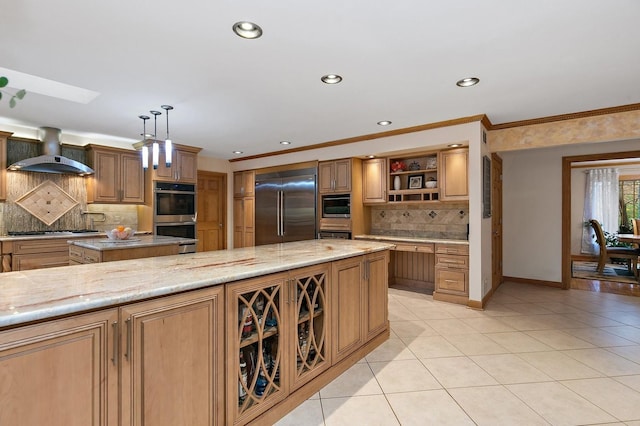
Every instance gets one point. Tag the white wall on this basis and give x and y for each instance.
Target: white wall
(532, 207)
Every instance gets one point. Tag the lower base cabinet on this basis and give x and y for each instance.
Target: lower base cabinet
(173, 361)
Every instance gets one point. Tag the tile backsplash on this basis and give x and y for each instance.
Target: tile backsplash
(438, 220)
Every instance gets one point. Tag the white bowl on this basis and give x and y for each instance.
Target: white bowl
(114, 234)
(430, 184)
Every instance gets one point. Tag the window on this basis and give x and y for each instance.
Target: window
(629, 194)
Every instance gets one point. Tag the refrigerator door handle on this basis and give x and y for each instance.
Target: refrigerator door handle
(278, 213)
(281, 214)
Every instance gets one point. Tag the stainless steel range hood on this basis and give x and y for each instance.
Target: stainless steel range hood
(51, 161)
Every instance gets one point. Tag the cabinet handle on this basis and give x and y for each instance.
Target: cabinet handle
(114, 355)
(450, 281)
(128, 346)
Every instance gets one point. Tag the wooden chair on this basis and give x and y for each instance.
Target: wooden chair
(636, 226)
(614, 252)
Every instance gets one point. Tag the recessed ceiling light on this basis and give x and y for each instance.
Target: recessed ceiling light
(371, 156)
(384, 123)
(467, 82)
(237, 152)
(454, 145)
(331, 78)
(285, 143)
(247, 29)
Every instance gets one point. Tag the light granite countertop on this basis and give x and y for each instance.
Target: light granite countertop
(103, 244)
(45, 293)
(391, 239)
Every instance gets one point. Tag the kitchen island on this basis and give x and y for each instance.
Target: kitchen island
(95, 250)
(144, 338)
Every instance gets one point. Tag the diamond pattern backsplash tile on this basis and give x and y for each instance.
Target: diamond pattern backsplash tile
(448, 221)
(48, 202)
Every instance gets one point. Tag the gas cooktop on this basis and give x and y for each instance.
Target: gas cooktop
(56, 232)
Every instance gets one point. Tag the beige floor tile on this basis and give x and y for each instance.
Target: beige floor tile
(529, 308)
(559, 366)
(448, 327)
(558, 405)
(632, 353)
(359, 410)
(457, 372)
(562, 308)
(403, 376)
(499, 310)
(610, 395)
(625, 331)
(412, 328)
(433, 313)
(486, 324)
(509, 369)
(518, 341)
(559, 339)
(524, 322)
(592, 320)
(309, 413)
(599, 337)
(604, 361)
(435, 407)
(508, 412)
(358, 380)
(502, 298)
(431, 347)
(632, 381)
(625, 317)
(475, 344)
(390, 350)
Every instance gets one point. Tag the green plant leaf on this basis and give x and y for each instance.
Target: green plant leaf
(12, 102)
(21, 94)
(4, 81)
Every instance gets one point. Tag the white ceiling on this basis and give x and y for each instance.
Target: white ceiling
(399, 60)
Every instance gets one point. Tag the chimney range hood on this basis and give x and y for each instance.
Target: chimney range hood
(51, 161)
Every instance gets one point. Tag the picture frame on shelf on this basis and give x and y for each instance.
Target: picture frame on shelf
(415, 181)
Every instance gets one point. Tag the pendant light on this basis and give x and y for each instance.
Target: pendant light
(168, 148)
(145, 149)
(155, 149)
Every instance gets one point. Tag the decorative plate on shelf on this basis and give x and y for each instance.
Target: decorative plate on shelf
(414, 166)
(432, 163)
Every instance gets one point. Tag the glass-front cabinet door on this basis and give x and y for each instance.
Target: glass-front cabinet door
(256, 348)
(311, 342)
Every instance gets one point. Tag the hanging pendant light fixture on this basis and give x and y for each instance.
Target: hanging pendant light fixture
(155, 149)
(168, 148)
(145, 149)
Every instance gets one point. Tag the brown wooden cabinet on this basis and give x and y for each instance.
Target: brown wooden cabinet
(334, 176)
(37, 254)
(3, 164)
(374, 181)
(82, 255)
(244, 209)
(183, 168)
(61, 372)
(376, 269)
(452, 273)
(408, 184)
(454, 175)
(172, 364)
(119, 176)
(278, 328)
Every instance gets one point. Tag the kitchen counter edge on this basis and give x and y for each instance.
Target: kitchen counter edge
(391, 239)
(41, 294)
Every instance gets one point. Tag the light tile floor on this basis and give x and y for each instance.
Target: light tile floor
(535, 356)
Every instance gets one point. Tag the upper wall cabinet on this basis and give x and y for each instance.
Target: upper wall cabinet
(119, 176)
(334, 176)
(374, 181)
(414, 179)
(183, 168)
(3, 165)
(244, 183)
(454, 175)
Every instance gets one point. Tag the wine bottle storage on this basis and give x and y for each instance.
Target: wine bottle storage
(311, 332)
(260, 354)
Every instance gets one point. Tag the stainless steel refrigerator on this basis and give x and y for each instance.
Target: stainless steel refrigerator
(285, 206)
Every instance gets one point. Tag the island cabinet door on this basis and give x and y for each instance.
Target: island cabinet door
(376, 287)
(172, 360)
(257, 355)
(60, 372)
(309, 313)
(347, 307)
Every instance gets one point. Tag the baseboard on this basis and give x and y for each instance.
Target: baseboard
(556, 284)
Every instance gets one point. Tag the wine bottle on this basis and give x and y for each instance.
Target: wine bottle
(242, 383)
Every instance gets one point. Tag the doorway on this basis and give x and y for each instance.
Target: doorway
(567, 163)
(212, 211)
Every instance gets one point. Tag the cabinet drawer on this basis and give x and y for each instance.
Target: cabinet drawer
(451, 281)
(75, 254)
(452, 248)
(449, 261)
(40, 246)
(335, 224)
(419, 248)
(82, 255)
(23, 262)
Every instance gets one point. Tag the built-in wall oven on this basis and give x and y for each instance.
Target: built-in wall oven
(336, 206)
(175, 212)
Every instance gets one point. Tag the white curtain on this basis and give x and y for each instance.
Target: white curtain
(600, 203)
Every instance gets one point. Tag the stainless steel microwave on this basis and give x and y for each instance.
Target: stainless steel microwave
(336, 205)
